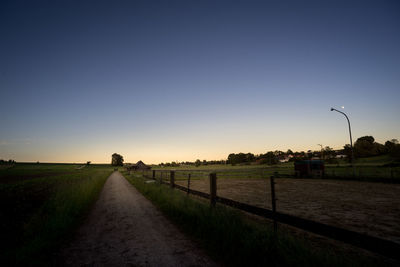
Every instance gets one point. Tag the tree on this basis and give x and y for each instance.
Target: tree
(240, 158)
(330, 155)
(369, 139)
(197, 163)
(366, 147)
(117, 160)
(269, 158)
(88, 163)
(232, 159)
(391, 144)
(347, 151)
(328, 152)
(174, 164)
(393, 148)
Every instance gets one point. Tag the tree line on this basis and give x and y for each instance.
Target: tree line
(364, 146)
(367, 147)
(196, 163)
(10, 161)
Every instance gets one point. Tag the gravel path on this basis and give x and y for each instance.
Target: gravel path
(125, 229)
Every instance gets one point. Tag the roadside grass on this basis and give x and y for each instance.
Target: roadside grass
(39, 213)
(230, 238)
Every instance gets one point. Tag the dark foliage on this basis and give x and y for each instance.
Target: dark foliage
(117, 160)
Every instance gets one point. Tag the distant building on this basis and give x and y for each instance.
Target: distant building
(285, 158)
(139, 166)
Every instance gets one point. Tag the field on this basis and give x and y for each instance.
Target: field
(234, 240)
(366, 207)
(40, 204)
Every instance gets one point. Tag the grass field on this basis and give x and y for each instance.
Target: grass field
(40, 204)
(235, 240)
(367, 207)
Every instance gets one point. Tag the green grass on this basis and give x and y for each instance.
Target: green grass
(233, 239)
(39, 212)
(378, 160)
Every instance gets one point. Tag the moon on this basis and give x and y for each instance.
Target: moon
(342, 107)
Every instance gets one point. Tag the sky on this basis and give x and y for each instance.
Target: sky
(163, 81)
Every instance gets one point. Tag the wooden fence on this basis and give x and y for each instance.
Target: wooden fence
(378, 245)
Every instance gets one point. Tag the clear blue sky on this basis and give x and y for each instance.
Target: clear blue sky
(168, 80)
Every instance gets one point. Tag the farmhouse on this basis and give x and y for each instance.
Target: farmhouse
(139, 166)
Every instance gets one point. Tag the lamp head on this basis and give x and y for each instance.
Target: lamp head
(332, 109)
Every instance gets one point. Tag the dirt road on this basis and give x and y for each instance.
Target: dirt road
(125, 229)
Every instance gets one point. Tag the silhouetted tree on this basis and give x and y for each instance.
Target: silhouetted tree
(347, 151)
(393, 148)
(328, 152)
(240, 158)
(269, 158)
(10, 161)
(391, 144)
(197, 163)
(174, 164)
(366, 146)
(117, 160)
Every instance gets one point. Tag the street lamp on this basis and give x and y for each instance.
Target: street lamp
(322, 151)
(351, 140)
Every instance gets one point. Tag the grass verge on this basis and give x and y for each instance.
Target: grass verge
(42, 212)
(229, 237)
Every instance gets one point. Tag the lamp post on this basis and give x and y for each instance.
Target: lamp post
(322, 151)
(351, 140)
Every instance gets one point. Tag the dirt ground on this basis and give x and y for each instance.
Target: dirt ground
(125, 229)
(370, 208)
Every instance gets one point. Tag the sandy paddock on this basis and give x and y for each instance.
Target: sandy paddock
(371, 208)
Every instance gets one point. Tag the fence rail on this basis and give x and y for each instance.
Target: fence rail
(378, 245)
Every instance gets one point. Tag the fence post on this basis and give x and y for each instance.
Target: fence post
(154, 174)
(161, 175)
(188, 188)
(172, 179)
(273, 203)
(213, 188)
